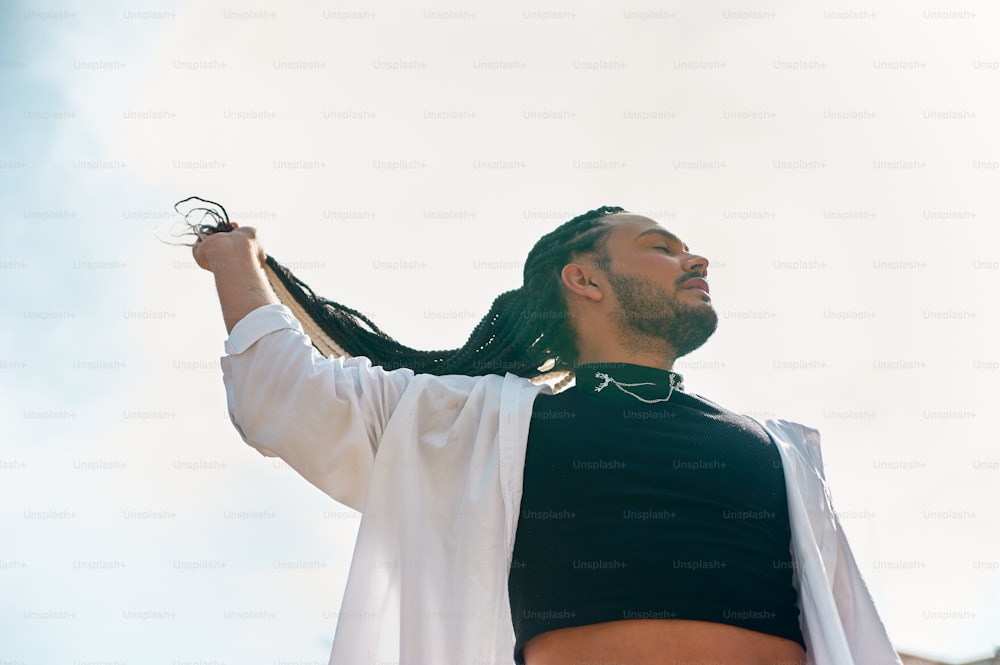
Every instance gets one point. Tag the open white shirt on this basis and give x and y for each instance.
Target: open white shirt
(435, 464)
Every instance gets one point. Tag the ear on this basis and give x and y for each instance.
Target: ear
(582, 281)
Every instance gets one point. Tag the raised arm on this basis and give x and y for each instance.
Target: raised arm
(323, 416)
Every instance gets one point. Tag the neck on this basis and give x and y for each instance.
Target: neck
(659, 358)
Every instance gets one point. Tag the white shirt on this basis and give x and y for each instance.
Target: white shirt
(435, 465)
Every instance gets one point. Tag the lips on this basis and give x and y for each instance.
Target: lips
(696, 283)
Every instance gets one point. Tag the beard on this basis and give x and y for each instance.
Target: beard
(648, 315)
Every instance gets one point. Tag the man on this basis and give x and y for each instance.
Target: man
(486, 534)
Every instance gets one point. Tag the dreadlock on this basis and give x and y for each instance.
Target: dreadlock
(526, 331)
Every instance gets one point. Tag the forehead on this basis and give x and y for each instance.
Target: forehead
(630, 228)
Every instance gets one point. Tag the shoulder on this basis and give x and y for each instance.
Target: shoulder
(788, 430)
(801, 437)
(452, 387)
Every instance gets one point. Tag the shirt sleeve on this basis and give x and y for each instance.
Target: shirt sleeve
(323, 416)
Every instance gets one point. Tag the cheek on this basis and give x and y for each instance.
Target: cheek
(666, 266)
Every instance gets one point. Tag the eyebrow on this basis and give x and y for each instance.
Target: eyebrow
(666, 234)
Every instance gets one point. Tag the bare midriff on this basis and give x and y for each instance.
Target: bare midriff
(661, 642)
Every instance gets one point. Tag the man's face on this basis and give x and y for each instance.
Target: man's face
(659, 285)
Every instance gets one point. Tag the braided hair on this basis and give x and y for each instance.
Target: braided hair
(526, 331)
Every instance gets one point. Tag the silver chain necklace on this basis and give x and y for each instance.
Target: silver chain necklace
(606, 380)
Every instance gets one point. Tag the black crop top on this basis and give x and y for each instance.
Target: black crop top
(630, 510)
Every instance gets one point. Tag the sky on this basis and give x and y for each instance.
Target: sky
(838, 166)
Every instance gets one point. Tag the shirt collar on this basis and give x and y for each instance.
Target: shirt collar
(611, 380)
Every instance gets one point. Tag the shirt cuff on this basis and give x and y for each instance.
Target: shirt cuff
(261, 321)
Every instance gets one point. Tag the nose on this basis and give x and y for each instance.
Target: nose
(697, 263)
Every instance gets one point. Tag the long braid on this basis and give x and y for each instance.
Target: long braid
(526, 331)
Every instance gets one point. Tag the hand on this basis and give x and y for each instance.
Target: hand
(219, 250)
